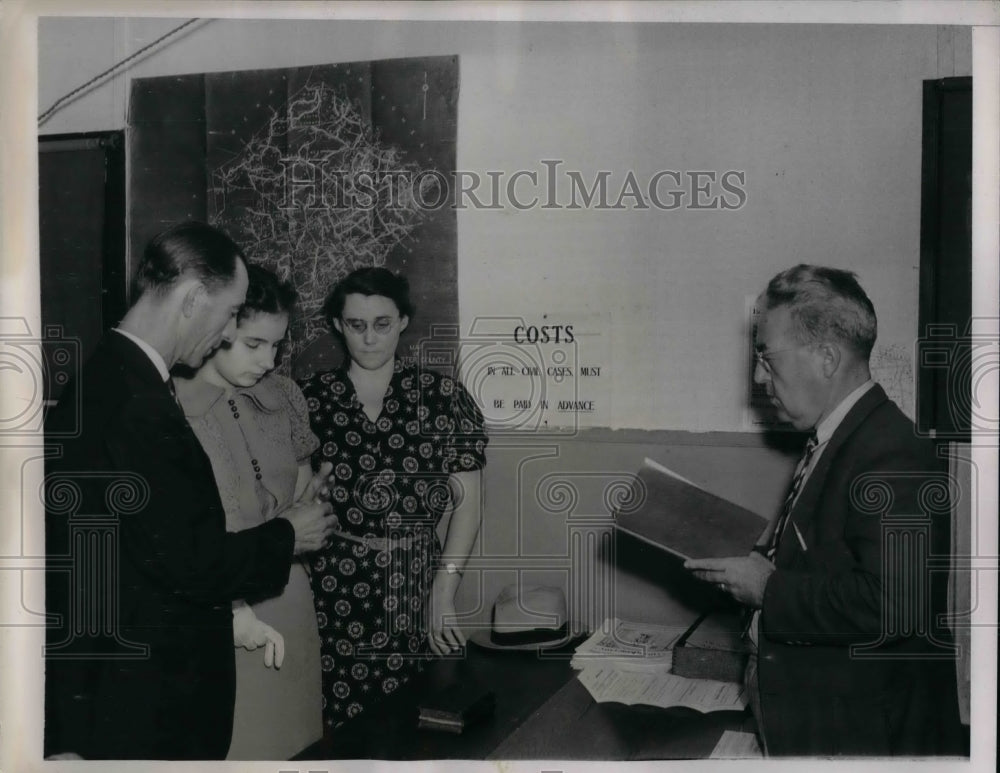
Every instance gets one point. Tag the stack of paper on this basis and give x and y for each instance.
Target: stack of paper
(620, 644)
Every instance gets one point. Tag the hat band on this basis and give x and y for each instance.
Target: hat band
(532, 636)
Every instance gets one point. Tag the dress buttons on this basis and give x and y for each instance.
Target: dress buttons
(258, 476)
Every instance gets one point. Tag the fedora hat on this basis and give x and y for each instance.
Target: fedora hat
(530, 617)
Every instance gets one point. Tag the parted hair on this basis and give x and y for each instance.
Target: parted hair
(825, 304)
(368, 281)
(192, 249)
(267, 294)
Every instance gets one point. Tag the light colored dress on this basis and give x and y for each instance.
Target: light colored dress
(256, 439)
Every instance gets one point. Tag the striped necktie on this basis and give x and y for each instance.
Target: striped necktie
(751, 615)
(793, 493)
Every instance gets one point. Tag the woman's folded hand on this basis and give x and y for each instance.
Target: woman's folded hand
(250, 633)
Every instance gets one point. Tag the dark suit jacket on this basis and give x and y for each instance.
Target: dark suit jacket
(853, 656)
(139, 661)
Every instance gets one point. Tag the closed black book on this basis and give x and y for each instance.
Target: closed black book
(433, 724)
(712, 648)
(455, 708)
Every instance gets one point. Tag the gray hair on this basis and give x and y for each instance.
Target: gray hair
(825, 304)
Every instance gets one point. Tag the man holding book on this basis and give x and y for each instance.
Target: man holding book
(850, 656)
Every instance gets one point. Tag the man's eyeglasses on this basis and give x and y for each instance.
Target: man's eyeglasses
(763, 357)
(381, 325)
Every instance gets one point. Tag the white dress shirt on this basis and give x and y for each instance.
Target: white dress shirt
(155, 356)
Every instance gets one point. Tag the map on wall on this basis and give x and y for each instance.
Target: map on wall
(892, 367)
(314, 171)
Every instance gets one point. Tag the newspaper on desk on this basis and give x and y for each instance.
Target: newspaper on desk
(607, 685)
(631, 664)
(628, 646)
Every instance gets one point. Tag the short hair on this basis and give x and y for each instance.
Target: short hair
(266, 294)
(189, 248)
(368, 281)
(825, 303)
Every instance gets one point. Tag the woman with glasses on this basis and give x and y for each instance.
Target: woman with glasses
(407, 447)
(254, 427)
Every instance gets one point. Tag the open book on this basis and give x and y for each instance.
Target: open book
(672, 513)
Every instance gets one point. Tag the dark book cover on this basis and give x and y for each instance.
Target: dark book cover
(712, 648)
(677, 516)
(455, 708)
(434, 724)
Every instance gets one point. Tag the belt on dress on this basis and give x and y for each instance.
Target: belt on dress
(379, 544)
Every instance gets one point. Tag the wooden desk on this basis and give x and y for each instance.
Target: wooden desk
(542, 712)
(571, 726)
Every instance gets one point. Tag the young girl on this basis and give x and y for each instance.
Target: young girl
(254, 426)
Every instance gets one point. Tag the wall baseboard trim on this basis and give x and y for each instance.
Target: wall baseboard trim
(785, 441)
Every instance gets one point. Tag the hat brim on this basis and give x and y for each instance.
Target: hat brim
(481, 638)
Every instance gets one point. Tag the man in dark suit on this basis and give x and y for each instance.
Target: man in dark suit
(848, 584)
(140, 570)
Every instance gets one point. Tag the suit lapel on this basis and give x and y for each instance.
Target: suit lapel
(809, 498)
(148, 385)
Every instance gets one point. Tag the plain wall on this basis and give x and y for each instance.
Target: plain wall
(549, 514)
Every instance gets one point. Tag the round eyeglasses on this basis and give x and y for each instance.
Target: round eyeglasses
(381, 325)
(763, 357)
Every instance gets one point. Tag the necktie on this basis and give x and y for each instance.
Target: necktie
(793, 493)
(751, 615)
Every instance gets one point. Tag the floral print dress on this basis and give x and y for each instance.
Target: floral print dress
(389, 491)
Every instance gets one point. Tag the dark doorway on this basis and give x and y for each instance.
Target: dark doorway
(944, 355)
(81, 182)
